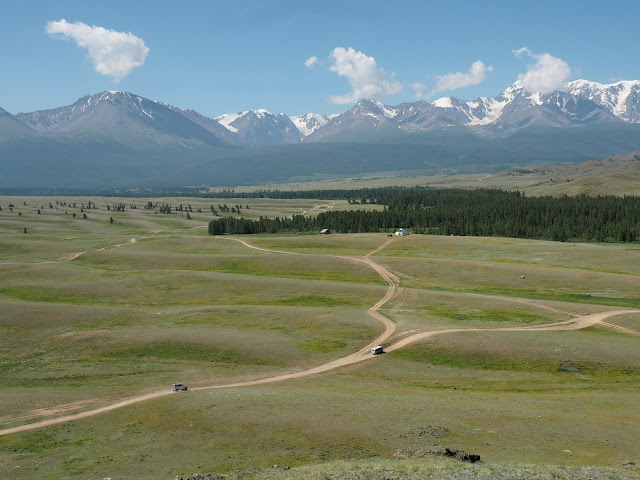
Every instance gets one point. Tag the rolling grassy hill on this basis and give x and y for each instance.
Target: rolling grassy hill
(177, 305)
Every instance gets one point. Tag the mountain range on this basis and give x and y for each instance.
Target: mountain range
(100, 136)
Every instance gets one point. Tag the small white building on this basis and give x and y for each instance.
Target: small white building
(401, 232)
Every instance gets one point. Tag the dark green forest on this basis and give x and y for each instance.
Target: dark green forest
(461, 212)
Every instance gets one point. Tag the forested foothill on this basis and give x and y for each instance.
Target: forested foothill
(458, 212)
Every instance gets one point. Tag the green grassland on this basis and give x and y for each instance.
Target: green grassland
(127, 318)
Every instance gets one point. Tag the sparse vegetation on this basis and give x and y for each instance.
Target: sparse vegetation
(88, 316)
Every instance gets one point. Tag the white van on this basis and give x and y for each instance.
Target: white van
(377, 350)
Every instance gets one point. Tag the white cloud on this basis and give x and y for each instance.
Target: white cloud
(522, 50)
(363, 74)
(452, 81)
(418, 88)
(114, 54)
(310, 62)
(546, 75)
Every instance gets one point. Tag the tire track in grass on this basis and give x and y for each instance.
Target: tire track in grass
(577, 323)
(357, 357)
(621, 329)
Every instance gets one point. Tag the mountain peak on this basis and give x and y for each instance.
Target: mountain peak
(584, 83)
(123, 117)
(226, 119)
(110, 94)
(310, 122)
(260, 127)
(622, 98)
(374, 108)
(513, 90)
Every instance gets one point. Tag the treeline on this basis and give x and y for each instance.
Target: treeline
(357, 195)
(467, 212)
(353, 195)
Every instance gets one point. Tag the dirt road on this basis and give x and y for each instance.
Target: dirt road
(317, 209)
(359, 356)
(573, 324)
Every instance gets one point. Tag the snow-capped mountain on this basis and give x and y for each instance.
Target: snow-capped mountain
(622, 98)
(119, 138)
(260, 127)
(514, 108)
(309, 123)
(578, 103)
(365, 118)
(126, 116)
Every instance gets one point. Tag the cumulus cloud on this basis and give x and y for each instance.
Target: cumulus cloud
(114, 54)
(363, 74)
(547, 74)
(310, 62)
(452, 81)
(418, 88)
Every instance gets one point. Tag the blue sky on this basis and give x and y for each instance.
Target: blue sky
(219, 56)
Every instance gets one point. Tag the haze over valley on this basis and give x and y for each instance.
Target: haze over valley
(112, 132)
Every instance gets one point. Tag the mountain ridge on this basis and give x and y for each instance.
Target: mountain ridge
(143, 141)
(578, 102)
(118, 115)
(260, 127)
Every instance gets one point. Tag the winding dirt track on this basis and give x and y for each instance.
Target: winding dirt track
(359, 356)
(574, 324)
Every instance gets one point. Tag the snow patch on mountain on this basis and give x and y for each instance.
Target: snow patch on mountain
(622, 98)
(260, 113)
(621, 107)
(227, 119)
(485, 111)
(260, 127)
(386, 111)
(309, 123)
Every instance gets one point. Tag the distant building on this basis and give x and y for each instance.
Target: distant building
(401, 232)
(325, 231)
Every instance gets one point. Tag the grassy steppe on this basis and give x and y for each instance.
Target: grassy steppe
(618, 175)
(177, 305)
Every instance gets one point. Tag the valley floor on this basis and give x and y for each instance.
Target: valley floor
(520, 351)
